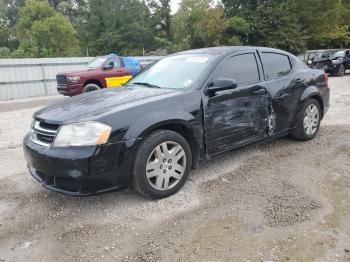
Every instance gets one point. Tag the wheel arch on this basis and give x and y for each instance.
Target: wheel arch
(193, 136)
(312, 92)
(93, 81)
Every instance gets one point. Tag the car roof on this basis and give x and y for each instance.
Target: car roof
(227, 49)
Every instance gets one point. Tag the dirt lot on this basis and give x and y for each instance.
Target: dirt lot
(282, 201)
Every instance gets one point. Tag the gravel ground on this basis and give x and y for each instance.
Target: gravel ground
(281, 201)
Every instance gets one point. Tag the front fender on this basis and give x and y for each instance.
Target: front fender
(141, 127)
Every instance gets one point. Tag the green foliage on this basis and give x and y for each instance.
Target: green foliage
(45, 33)
(337, 38)
(5, 52)
(197, 24)
(161, 17)
(329, 28)
(19, 53)
(237, 31)
(271, 23)
(120, 26)
(43, 28)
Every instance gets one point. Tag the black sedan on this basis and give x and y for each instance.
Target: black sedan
(335, 64)
(181, 111)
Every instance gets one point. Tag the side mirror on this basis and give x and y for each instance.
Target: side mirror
(109, 66)
(221, 84)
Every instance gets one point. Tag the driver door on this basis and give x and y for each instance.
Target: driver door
(117, 75)
(237, 117)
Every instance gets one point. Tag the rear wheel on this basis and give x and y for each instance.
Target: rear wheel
(162, 164)
(91, 87)
(309, 121)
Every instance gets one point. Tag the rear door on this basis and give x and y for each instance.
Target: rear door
(237, 117)
(118, 75)
(284, 87)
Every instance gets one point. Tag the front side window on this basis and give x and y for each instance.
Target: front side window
(275, 65)
(116, 62)
(175, 72)
(97, 62)
(242, 68)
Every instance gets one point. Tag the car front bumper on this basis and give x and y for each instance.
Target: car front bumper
(331, 69)
(79, 171)
(70, 89)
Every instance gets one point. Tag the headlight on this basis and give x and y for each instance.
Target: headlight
(82, 134)
(336, 62)
(73, 78)
(309, 62)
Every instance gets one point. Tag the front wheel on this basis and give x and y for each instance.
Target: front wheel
(341, 70)
(162, 164)
(90, 87)
(309, 121)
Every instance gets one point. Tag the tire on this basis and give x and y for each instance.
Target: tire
(302, 132)
(341, 71)
(151, 182)
(91, 87)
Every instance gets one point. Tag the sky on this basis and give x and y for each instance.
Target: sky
(175, 5)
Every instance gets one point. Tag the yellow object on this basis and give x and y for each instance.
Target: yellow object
(117, 81)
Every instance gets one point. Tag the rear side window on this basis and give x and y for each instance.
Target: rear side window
(242, 68)
(275, 65)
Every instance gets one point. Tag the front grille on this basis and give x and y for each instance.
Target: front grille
(323, 64)
(43, 133)
(61, 80)
(68, 184)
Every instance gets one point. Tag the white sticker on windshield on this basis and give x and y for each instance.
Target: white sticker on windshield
(197, 59)
(188, 83)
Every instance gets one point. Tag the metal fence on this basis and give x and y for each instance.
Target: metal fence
(21, 78)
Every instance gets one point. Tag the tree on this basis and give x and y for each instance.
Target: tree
(8, 19)
(118, 26)
(272, 23)
(43, 32)
(5, 52)
(329, 28)
(198, 24)
(9, 11)
(238, 31)
(161, 18)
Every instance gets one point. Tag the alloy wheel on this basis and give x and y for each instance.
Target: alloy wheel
(311, 120)
(166, 166)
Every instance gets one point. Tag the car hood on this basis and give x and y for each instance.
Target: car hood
(78, 72)
(98, 104)
(333, 57)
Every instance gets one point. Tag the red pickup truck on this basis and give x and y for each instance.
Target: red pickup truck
(102, 72)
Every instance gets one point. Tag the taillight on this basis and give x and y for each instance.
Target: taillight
(326, 78)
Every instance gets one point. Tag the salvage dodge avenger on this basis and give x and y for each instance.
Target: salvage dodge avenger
(181, 111)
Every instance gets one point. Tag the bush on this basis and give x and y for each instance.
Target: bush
(5, 52)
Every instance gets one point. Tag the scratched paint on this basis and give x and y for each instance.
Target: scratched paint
(236, 118)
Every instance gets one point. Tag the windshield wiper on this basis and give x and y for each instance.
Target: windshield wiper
(146, 84)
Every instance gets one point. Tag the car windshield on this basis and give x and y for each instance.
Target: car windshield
(339, 54)
(314, 55)
(175, 72)
(97, 62)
